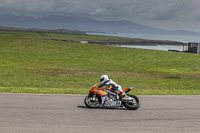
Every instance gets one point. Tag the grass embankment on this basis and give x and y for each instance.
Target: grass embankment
(32, 65)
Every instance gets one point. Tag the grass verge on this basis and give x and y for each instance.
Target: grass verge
(29, 64)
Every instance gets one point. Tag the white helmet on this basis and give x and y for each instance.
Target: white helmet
(104, 78)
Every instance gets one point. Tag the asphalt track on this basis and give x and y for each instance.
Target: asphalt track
(38, 113)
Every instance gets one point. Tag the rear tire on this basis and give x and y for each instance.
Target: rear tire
(92, 101)
(132, 106)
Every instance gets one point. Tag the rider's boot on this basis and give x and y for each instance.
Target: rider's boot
(124, 97)
(121, 95)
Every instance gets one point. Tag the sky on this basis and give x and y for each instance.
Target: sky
(165, 14)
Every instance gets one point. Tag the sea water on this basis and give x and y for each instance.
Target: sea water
(179, 38)
(158, 47)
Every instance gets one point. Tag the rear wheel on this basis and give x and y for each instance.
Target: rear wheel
(92, 101)
(134, 105)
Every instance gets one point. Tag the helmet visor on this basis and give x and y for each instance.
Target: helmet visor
(101, 79)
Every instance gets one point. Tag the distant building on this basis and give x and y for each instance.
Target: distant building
(84, 42)
(194, 47)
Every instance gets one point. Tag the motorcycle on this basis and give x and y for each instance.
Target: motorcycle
(111, 99)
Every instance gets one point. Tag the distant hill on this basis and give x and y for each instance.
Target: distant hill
(83, 24)
(44, 30)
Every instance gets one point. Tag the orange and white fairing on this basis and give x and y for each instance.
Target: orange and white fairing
(101, 92)
(97, 90)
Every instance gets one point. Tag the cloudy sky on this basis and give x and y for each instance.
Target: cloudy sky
(166, 14)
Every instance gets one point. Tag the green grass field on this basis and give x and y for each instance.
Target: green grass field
(29, 64)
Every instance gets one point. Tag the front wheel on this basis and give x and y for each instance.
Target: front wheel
(132, 105)
(92, 101)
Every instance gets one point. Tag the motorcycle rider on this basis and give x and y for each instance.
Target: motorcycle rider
(114, 87)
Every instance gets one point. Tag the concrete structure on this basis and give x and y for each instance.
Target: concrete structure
(194, 47)
(84, 42)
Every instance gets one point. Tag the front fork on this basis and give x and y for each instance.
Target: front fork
(95, 98)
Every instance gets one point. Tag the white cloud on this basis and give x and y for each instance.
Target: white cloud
(99, 11)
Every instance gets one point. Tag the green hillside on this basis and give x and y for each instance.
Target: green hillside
(29, 64)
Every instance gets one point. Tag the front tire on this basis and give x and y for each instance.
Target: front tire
(92, 101)
(134, 105)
